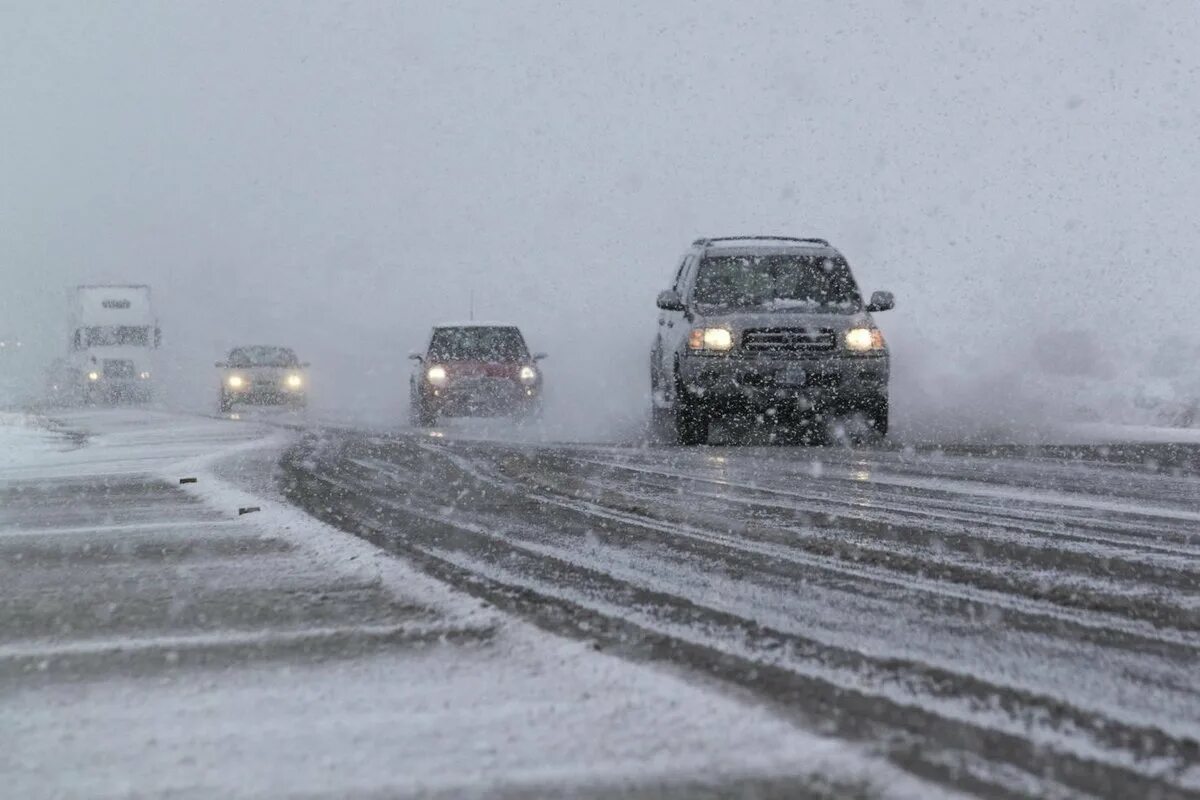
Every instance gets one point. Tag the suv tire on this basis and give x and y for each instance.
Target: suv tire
(876, 411)
(691, 421)
(864, 423)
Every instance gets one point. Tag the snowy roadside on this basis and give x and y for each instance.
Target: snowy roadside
(1108, 433)
(157, 642)
(24, 438)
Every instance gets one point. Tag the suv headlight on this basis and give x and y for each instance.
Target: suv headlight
(437, 375)
(718, 340)
(236, 381)
(864, 340)
(294, 381)
(527, 374)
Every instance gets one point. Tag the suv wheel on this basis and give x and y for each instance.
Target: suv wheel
(865, 423)
(876, 411)
(691, 421)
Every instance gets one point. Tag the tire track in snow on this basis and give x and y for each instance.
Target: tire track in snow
(412, 494)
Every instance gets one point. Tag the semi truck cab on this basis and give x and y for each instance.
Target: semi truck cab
(113, 336)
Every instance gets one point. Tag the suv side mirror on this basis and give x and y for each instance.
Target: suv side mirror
(220, 365)
(882, 301)
(539, 356)
(416, 356)
(305, 364)
(670, 301)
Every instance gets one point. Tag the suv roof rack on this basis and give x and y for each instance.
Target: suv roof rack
(710, 239)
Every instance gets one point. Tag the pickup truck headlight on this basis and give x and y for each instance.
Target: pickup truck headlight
(437, 375)
(294, 381)
(235, 381)
(718, 340)
(527, 375)
(864, 340)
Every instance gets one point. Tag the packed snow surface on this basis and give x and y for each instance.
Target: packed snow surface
(161, 644)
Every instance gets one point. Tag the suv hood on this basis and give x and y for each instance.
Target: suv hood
(743, 320)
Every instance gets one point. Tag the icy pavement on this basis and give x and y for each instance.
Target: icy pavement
(155, 642)
(1013, 621)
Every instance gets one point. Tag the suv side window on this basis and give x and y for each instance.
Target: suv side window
(677, 285)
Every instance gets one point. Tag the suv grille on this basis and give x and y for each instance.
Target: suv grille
(788, 340)
(118, 369)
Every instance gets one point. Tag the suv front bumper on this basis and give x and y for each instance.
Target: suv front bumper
(756, 383)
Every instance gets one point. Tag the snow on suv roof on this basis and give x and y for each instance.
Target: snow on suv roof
(763, 244)
(741, 241)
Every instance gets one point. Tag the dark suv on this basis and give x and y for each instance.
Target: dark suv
(769, 325)
(475, 369)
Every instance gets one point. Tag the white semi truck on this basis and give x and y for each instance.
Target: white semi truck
(113, 335)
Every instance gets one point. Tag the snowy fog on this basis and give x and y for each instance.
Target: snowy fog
(709, 506)
(339, 177)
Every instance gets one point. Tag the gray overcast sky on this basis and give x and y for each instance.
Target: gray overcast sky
(338, 175)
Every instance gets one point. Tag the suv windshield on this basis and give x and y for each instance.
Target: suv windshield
(776, 281)
(263, 357)
(477, 344)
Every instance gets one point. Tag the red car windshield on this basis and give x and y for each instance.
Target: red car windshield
(478, 343)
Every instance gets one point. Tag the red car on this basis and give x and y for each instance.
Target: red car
(475, 370)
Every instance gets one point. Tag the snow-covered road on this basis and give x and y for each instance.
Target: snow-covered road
(154, 641)
(1008, 621)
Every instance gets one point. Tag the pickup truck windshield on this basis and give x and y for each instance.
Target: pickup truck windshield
(776, 282)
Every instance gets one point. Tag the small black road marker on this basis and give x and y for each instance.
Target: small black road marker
(248, 510)
(187, 480)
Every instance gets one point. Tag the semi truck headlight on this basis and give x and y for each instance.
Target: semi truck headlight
(235, 381)
(294, 381)
(864, 340)
(716, 339)
(527, 374)
(93, 376)
(437, 375)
